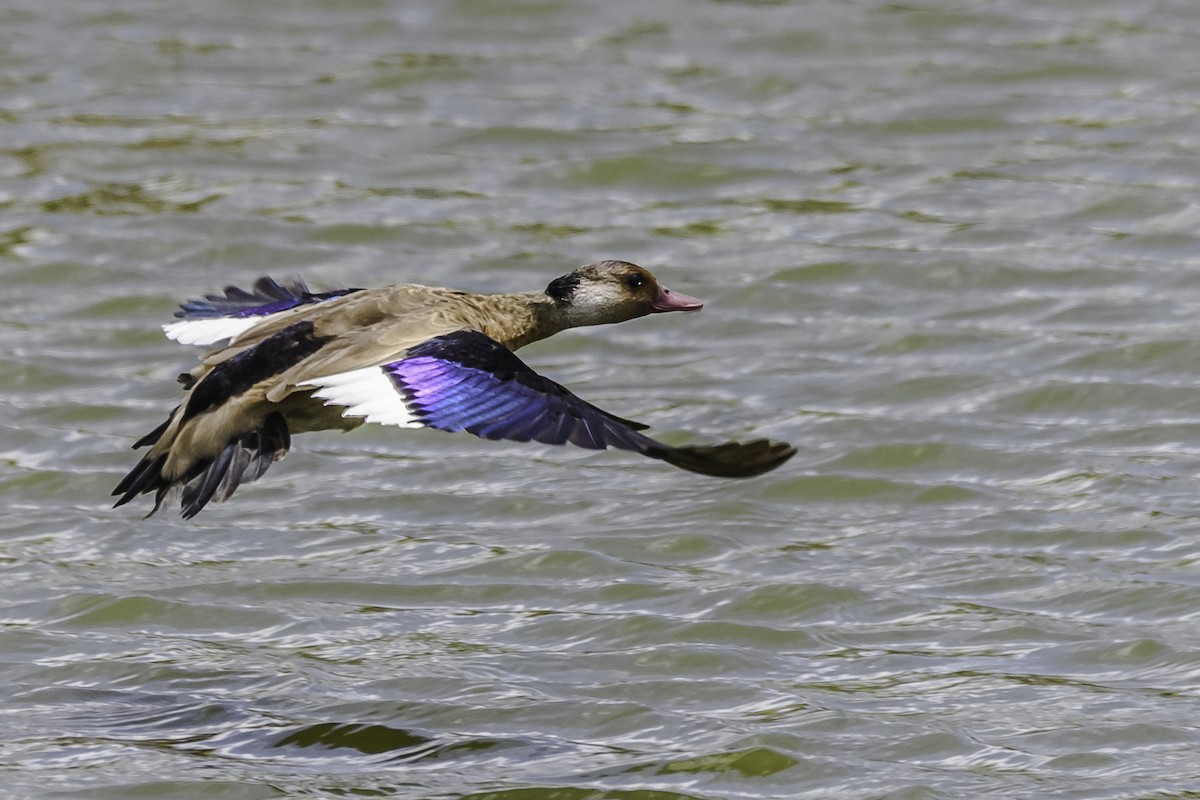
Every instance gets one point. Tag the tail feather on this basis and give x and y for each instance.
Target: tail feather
(198, 491)
(153, 436)
(274, 440)
(146, 476)
(235, 475)
(243, 460)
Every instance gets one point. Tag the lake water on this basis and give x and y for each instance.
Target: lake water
(950, 251)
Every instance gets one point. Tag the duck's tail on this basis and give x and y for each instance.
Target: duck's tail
(243, 459)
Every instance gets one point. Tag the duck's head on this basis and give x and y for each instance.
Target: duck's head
(613, 291)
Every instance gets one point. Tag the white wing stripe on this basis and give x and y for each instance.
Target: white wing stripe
(209, 331)
(366, 393)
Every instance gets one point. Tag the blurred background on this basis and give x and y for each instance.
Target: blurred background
(949, 250)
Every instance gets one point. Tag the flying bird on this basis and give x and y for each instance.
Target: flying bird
(289, 361)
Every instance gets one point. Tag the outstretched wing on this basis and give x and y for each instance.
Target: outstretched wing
(466, 381)
(219, 317)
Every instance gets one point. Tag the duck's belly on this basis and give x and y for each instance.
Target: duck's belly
(305, 413)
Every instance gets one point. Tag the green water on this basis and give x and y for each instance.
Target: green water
(949, 250)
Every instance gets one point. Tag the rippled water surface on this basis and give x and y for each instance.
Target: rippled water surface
(950, 251)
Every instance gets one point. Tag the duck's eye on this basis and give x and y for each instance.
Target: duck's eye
(634, 281)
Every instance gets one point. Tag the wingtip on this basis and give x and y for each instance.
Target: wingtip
(728, 460)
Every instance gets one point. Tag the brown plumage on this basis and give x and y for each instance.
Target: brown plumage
(407, 355)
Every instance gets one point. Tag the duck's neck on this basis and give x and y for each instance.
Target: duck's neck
(516, 320)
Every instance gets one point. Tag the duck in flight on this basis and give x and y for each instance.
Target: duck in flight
(290, 361)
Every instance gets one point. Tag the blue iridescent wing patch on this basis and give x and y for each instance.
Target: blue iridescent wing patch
(268, 296)
(466, 381)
